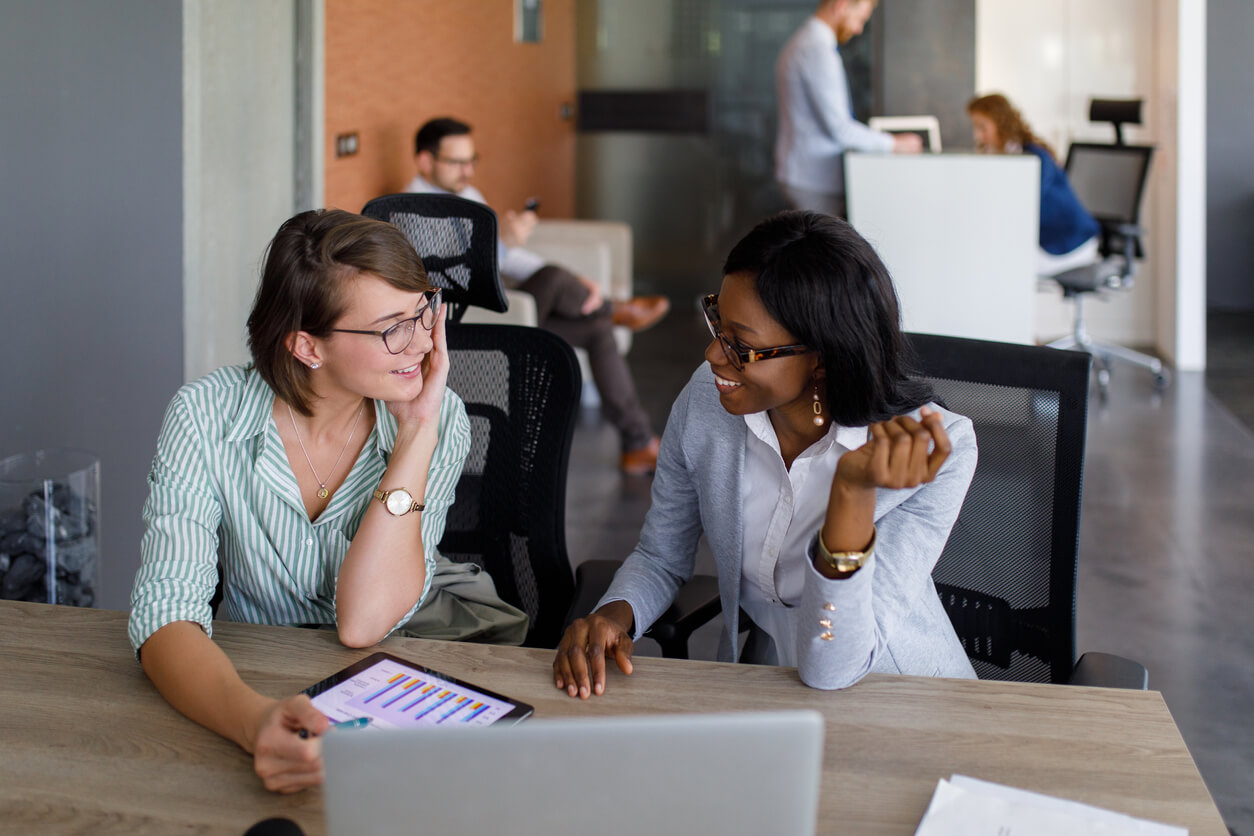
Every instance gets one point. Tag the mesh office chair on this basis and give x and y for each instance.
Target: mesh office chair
(1007, 576)
(523, 548)
(521, 389)
(1110, 181)
(456, 239)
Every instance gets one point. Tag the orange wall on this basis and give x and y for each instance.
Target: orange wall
(393, 64)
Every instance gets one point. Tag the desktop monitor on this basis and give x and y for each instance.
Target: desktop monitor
(926, 127)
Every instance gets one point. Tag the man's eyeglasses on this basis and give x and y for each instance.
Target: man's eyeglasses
(736, 355)
(397, 338)
(466, 163)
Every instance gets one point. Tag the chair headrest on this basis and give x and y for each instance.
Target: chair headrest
(456, 240)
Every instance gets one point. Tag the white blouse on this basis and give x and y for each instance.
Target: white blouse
(782, 509)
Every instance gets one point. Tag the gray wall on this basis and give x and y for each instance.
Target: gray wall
(91, 301)
(926, 63)
(1229, 155)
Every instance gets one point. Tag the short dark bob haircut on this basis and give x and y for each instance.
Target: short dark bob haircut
(822, 281)
(431, 134)
(303, 287)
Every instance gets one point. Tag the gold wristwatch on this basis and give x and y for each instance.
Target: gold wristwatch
(843, 561)
(399, 502)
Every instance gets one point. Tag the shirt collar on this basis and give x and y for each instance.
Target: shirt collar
(384, 429)
(257, 402)
(254, 407)
(850, 438)
(826, 32)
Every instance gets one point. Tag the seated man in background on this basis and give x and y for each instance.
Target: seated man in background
(570, 306)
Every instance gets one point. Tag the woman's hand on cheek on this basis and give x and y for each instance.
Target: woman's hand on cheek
(900, 453)
(426, 407)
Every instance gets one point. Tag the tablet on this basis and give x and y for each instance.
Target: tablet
(396, 694)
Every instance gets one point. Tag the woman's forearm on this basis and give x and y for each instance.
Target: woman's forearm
(385, 569)
(197, 678)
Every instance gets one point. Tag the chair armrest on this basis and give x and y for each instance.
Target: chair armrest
(1106, 670)
(696, 604)
(1124, 230)
(592, 578)
(522, 311)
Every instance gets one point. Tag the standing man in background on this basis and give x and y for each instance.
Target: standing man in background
(816, 123)
(567, 304)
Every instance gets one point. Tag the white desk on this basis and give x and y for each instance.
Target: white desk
(958, 233)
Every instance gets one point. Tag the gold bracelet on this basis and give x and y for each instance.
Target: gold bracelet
(844, 561)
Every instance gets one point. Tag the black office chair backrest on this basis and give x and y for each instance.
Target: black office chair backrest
(1109, 181)
(457, 242)
(521, 388)
(1007, 574)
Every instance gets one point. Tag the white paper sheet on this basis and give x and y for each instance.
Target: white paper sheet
(965, 806)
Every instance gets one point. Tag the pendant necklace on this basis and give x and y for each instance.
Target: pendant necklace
(323, 493)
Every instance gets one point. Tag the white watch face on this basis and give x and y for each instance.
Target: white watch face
(399, 502)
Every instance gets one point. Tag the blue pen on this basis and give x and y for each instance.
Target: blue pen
(355, 723)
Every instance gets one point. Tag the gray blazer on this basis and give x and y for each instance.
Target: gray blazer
(887, 617)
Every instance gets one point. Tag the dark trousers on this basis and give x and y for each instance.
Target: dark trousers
(559, 295)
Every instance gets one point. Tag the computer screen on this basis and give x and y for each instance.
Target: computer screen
(927, 128)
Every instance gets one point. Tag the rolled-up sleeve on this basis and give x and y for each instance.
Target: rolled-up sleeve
(446, 469)
(178, 552)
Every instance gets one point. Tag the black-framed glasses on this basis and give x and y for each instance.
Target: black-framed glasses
(397, 338)
(736, 355)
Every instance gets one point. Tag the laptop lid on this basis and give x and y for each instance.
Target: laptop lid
(729, 774)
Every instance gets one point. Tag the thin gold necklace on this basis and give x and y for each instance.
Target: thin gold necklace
(323, 493)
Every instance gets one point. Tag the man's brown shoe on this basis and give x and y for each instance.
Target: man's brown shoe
(641, 312)
(643, 460)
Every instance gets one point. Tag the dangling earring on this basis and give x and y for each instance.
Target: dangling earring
(818, 407)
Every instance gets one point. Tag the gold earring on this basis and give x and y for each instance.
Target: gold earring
(818, 407)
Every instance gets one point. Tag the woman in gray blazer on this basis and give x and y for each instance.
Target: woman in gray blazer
(820, 471)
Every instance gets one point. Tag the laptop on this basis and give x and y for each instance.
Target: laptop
(728, 774)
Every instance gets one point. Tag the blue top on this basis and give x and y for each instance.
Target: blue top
(1065, 223)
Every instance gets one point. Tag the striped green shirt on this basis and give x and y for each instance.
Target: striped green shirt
(221, 472)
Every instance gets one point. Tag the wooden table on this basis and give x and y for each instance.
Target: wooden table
(87, 745)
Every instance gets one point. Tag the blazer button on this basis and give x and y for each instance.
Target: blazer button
(825, 622)
(829, 606)
(826, 636)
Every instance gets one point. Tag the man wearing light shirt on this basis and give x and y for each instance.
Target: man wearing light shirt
(816, 123)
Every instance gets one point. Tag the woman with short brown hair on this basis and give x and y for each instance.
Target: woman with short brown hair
(315, 480)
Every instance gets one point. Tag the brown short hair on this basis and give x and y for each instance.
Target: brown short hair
(302, 287)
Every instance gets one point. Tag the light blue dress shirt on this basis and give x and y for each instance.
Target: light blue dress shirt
(816, 125)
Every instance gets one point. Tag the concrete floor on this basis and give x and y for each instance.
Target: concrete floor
(1166, 557)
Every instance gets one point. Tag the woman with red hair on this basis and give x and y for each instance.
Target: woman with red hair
(1068, 236)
